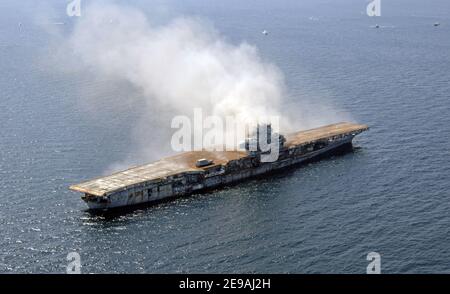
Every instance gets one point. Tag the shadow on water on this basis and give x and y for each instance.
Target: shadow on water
(119, 212)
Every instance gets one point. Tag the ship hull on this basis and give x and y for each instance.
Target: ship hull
(220, 178)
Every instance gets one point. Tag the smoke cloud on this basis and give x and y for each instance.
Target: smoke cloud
(184, 64)
(181, 65)
(175, 67)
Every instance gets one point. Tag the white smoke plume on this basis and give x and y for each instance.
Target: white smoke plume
(178, 66)
(174, 68)
(183, 64)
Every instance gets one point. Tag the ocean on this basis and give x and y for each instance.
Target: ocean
(389, 196)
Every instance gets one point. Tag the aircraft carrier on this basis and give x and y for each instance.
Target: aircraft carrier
(188, 172)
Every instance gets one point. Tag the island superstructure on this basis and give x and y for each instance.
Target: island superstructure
(188, 172)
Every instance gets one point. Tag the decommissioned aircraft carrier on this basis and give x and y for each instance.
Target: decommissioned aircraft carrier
(194, 171)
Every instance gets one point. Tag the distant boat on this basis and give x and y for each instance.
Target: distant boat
(436, 24)
(377, 26)
(265, 32)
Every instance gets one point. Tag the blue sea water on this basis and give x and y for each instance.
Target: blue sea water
(391, 195)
